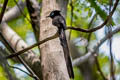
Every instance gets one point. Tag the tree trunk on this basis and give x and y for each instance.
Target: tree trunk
(52, 57)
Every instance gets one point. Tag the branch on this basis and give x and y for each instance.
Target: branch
(20, 9)
(3, 10)
(34, 12)
(112, 74)
(6, 65)
(18, 57)
(99, 68)
(34, 77)
(71, 21)
(32, 73)
(90, 34)
(84, 58)
(9, 15)
(3, 64)
(34, 45)
(100, 26)
(30, 59)
(7, 8)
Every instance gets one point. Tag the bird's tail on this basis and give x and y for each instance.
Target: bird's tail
(64, 44)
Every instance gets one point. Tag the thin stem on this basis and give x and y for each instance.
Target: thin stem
(99, 68)
(72, 8)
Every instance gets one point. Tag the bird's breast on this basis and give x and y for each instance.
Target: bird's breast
(55, 22)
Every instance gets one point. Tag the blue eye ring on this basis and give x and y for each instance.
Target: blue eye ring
(52, 14)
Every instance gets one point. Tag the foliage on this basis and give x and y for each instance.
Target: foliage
(83, 12)
(2, 74)
(77, 74)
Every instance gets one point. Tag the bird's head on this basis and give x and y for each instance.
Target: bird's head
(54, 13)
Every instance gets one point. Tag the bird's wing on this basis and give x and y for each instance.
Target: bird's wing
(62, 22)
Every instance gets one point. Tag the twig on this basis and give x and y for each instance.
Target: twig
(84, 58)
(22, 71)
(72, 8)
(99, 68)
(22, 12)
(3, 64)
(110, 44)
(89, 35)
(111, 62)
(28, 68)
(7, 8)
(100, 26)
(3, 10)
(34, 45)
(9, 15)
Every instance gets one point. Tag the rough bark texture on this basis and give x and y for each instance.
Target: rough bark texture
(52, 56)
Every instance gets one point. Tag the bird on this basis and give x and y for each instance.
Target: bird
(59, 21)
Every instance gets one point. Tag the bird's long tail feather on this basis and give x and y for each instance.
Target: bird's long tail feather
(64, 44)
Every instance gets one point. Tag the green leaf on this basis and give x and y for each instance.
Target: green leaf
(2, 74)
(99, 10)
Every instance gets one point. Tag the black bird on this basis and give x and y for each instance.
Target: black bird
(59, 21)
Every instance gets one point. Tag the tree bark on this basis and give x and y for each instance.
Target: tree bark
(52, 57)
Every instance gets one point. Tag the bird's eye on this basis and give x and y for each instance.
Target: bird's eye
(52, 14)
